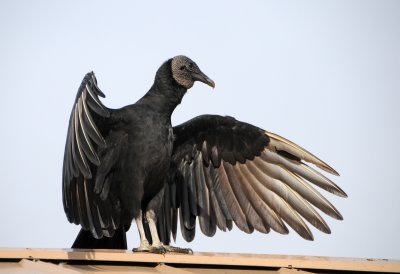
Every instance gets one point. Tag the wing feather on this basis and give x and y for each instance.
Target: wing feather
(261, 171)
(87, 146)
(262, 206)
(166, 226)
(81, 204)
(97, 90)
(90, 125)
(220, 217)
(94, 225)
(73, 216)
(187, 233)
(294, 182)
(235, 210)
(78, 155)
(174, 225)
(95, 104)
(304, 171)
(256, 179)
(284, 144)
(252, 218)
(216, 188)
(207, 224)
(86, 197)
(278, 207)
(192, 188)
(188, 218)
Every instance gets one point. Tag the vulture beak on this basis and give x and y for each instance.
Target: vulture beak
(200, 76)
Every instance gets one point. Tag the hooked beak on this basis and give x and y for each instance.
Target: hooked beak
(200, 76)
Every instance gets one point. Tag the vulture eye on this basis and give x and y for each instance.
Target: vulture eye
(182, 68)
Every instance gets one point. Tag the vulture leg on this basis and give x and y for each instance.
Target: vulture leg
(157, 246)
(144, 244)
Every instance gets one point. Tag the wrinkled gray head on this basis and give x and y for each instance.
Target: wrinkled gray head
(186, 72)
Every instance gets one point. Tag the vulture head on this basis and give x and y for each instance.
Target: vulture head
(186, 72)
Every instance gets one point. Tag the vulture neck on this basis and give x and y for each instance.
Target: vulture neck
(165, 94)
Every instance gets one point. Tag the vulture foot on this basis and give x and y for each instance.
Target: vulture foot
(175, 249)
(150, 248)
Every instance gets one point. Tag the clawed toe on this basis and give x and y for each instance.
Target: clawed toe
(178, 249)
(161, 249)
(151, 249)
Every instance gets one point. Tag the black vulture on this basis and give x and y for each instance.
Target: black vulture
(131, 163)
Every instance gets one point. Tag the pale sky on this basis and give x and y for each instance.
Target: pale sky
(325, 74)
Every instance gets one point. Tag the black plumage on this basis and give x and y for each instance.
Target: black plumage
(130, 163)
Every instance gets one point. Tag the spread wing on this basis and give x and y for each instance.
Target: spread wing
(228, 171)
(88, 163)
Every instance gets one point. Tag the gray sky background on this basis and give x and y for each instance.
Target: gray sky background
(325, 74)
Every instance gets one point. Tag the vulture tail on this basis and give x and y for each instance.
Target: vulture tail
(85, 240)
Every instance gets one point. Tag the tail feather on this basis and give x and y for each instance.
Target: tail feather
(85, 240)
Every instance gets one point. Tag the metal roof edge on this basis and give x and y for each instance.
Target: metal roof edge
(204, 258)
